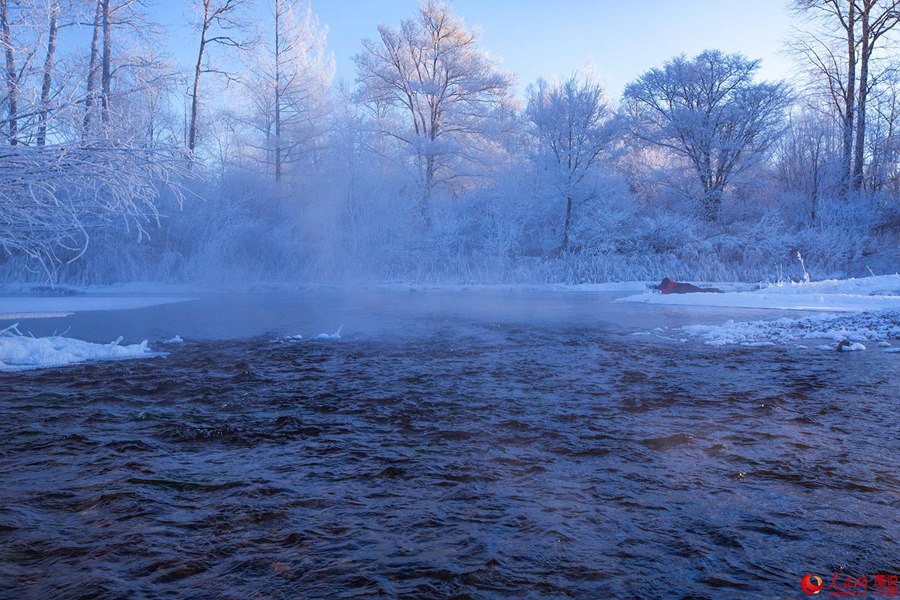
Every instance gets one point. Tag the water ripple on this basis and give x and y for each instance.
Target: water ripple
(528, 462)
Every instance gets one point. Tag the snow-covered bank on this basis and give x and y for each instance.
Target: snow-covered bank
(136, 295)
(844, 295)
(626, 287)
(874, 300)
(862, 327)
(20, 353)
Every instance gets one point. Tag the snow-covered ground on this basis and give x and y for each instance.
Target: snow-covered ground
(873, 304)
(836, 295)
(626, 287)
(20, 352)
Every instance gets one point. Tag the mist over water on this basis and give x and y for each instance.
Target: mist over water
(375, 313)
(447, 445)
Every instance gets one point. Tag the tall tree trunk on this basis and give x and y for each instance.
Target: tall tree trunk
(91, 92)
(817, 165)
(195, 98)
(12, 79)
(198, 70)
(427, 189)
(849, 101)
(712, 203)
(712, 189)
(106, 81)
(48, 73)
(277, 90)
(867, 44)
(564, 246)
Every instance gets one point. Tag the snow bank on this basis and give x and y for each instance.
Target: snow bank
(844, 295)
(857, 328)
(626, 287)
(879, 285)
(20, 353)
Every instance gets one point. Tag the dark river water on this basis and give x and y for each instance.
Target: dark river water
(448, 445)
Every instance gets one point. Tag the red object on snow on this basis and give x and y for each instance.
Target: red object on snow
(669, 287)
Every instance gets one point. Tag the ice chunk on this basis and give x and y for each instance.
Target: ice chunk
(851, 328)
(846, 346)
(331, 336)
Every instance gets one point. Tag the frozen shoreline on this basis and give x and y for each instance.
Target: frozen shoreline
(862, 310)
(836, 295)
(820, 294)
(854, 311)
(22, 301)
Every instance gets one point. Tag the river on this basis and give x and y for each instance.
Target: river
(449, 444)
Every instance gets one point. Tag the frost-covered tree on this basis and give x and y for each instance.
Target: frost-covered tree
(59, 181)
(289, 88)
(573, 126)
(710, 111)
(217, 23)
(121, 60)
(19, 22)
(883, 136)
(54, 196)
(844, 56)
(445, 91)
(808, 158)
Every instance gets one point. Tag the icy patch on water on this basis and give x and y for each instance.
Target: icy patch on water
(20, 353)
(36, 307)
(855, 329)
(322, 336)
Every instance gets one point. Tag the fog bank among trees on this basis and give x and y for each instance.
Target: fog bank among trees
(254, 165)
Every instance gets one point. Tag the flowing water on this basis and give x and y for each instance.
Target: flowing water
(447, 445)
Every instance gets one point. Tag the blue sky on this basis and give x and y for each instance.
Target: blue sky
(531, 38)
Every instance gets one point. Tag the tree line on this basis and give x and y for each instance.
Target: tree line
(100, 128)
